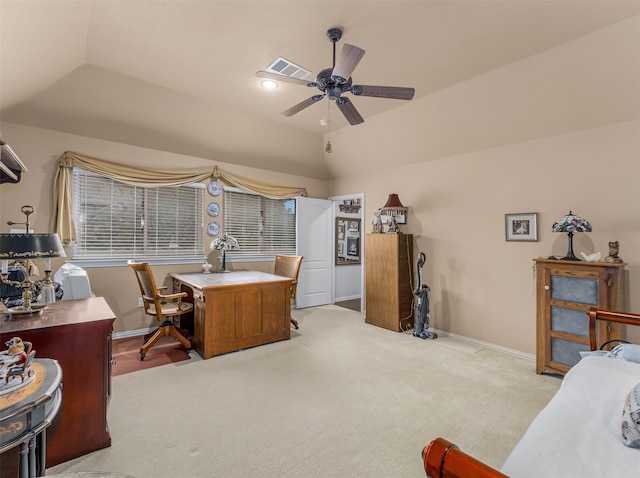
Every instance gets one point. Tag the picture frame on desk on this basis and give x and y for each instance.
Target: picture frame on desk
(522, 227)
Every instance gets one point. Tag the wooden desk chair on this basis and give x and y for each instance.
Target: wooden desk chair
(289, 266)
(162, 306)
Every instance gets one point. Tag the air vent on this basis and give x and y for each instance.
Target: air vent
(284, 67)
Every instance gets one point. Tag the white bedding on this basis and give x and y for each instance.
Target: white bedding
(578, 433)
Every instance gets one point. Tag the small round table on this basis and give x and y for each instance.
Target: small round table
(27, 411)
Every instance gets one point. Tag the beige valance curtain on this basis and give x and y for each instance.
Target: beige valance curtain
(62, 217)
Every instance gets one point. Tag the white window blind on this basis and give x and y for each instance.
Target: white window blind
(116, 220)
(261, 225)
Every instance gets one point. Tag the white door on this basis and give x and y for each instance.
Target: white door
(314, 228)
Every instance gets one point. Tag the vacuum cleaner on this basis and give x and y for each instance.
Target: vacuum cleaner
(421, 325)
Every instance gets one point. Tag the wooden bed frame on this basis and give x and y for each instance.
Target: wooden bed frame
(443, 459)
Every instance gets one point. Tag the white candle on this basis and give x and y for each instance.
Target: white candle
(5, 266)
(47, 267)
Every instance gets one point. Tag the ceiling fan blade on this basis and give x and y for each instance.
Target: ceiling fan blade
(394, 92)
(302, 105)
(349, 58)
(349, 111)
(285, 79)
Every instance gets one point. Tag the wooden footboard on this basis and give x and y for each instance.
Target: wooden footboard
(443, 459)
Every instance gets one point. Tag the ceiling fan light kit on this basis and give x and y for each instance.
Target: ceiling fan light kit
(269, 84)
(335, 81)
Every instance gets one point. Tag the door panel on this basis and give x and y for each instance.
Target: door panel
(314, 228)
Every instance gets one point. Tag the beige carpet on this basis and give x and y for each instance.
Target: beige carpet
(340, 399)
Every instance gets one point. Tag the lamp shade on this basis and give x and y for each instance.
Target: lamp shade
(30, 246)
(571, 223)
(393, 207)
(225, 243)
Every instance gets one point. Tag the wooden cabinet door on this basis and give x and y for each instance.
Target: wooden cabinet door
(565, 292)
(389, 297)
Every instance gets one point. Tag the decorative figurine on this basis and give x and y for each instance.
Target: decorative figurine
(378, 228)
(393, 226)
(614, 247)
(16, 361)
(595, 257)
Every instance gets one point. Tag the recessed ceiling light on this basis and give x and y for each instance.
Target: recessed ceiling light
(269, 84)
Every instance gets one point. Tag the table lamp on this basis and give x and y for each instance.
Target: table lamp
(224, 243)
(395, 209)
(21, 248)
(570, 224)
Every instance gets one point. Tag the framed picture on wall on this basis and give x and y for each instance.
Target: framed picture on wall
(353, 246)
(521, 227)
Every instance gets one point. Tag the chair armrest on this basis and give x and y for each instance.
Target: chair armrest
(162, 287)
(178, 295)
(609, 316)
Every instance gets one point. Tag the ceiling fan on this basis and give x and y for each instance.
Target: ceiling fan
(335, 81)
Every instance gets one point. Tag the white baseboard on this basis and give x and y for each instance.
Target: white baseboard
(488, 345)
(132, 333)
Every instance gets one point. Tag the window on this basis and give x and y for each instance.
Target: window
(116, 220)
(261, 225)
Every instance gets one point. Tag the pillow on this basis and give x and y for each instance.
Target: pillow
(588, 353)
(631, 418)
(628, 352)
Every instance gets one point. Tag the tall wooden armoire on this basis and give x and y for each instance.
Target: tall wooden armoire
(388, 274)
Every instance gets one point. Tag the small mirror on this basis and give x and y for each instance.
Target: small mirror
(347, 241)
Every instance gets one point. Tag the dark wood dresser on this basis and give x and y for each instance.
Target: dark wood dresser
(76, 333)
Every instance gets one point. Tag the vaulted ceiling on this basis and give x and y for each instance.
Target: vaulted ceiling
(179, 75)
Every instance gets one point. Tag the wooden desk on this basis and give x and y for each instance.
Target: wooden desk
(237, 310)
(26, 412)
(76, 333)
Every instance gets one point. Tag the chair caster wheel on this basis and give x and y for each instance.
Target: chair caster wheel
(142, 357)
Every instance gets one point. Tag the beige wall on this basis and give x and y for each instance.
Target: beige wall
(482, 286)
(40, 149)
(555, 132)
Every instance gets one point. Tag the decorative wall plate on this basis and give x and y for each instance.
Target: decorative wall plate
(213, 209)
(213, 228)
(214, 188)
